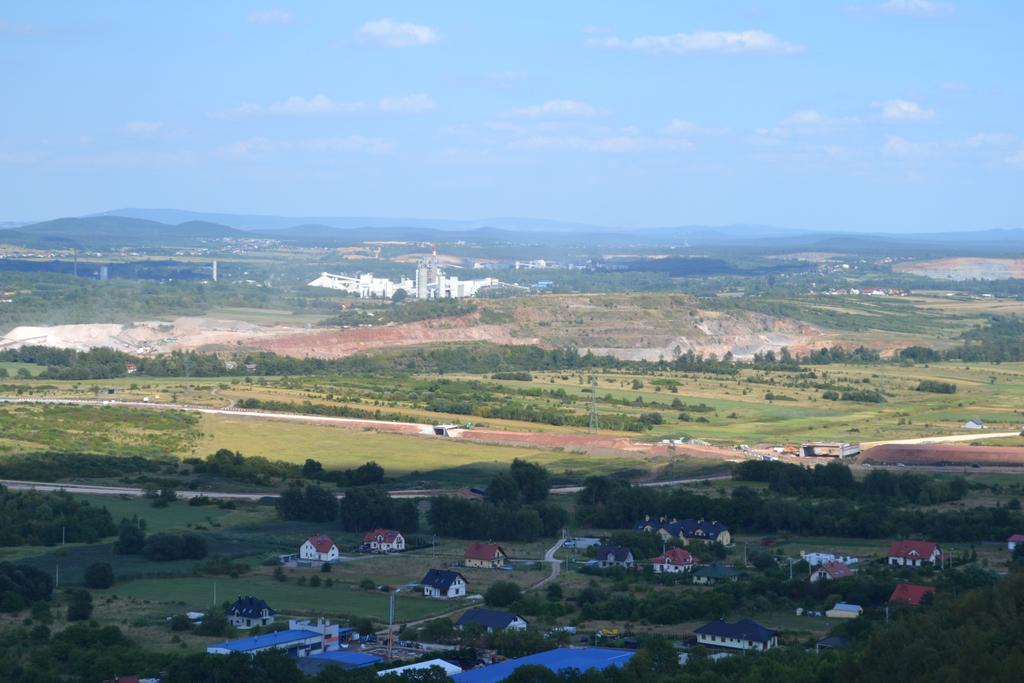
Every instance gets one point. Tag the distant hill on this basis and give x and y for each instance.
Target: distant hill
(106, 231)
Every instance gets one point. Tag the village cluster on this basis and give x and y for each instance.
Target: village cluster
(317, 643)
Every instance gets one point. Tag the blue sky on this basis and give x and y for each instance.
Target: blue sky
(871, 115)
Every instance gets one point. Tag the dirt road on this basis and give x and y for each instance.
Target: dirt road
(556, 565)
(955, 438)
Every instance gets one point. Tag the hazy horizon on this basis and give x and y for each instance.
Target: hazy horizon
(879, 116)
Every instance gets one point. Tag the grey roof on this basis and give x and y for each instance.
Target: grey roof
(618, 552)
(249, 606)
(744, 629)
(488, 618)
(441, 579)
(688, 528)
(716, 571)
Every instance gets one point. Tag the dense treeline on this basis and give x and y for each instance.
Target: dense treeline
(34, 518)
(51, 466)
(836, 479)
(360, 509)
(513, 509)
(610, 503)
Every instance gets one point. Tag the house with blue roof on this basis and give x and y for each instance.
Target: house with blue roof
(745, 634)
(312, 665)
(492, 620)
(685, 530)
(249, 612)
(443, 583)
(302, 638)
(557, 660)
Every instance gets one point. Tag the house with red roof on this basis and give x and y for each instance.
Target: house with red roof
(910, 594)
(384, 541)
(675, 561)
(831, 571)
(486, 555)
(914, 553)
(319, 548)
(1012, 541)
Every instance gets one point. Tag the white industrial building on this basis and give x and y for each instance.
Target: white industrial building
(430, 283)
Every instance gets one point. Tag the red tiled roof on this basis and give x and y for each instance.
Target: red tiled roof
(322, 543)
(912, 549)
(676, 556)
(389, 535)
(1016, 538)
(836, 570)
(910, 593)
(483, 551)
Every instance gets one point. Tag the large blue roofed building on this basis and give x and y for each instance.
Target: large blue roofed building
(560, 659)
(291, 640)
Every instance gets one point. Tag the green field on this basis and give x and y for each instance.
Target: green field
(339, 601)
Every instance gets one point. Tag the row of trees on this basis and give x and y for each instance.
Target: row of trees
(360, 509)
(35, 518)
(606, 503)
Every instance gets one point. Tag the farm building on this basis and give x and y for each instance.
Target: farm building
(910, 594)
(685, 530)
(312, 665)
(614, 556)
(488, 555)
(249, 612)
(829, 449)
(384, 541)
(674, 561)
(913, 553)
(844, 610)
(974, 424)
(557, 660)
(715, 573)
(442, 583)
(446, 666)
(1012, 541)
(318, 548)
(492, 620)
(814, 559)
(830, 571)
(300, 639)
(745, 634)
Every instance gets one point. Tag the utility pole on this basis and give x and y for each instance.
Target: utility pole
(391, 622)
(215, 594)
(56, 580)
(593, 402)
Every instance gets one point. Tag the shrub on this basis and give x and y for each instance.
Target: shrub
(99, 575)
(502, 594)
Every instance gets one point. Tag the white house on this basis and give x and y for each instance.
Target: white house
(248, 612)
(974, 424)
(442, 583)
(745, 634)
(814, 559)
(831, 571)
(318, 548)
(384, 541)
(674, 561)
(914, 553)
(1012, 541)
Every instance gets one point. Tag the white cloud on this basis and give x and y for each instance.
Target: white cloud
(11, 28)
(1016, 160)
(896, 146)
(143, 128)
(556, 109)
(317, 104)
(293, 106)
(261, 146)
(905, 110)
(407, 103)
(990, 140)
(270, 17)
(398, 34)
(807, 117)
(918, 8)
(720, 42)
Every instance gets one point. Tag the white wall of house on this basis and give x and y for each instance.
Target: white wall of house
(308, 551)
(736, 643)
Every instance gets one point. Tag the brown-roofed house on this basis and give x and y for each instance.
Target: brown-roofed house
(487, 555)
(914, 553)
(831, 571)
(910, 594)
